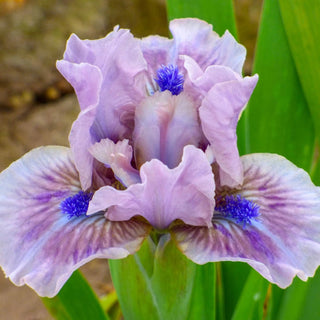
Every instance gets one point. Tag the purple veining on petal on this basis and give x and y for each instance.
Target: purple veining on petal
(47, 196)
(222, 229)
(258, 244)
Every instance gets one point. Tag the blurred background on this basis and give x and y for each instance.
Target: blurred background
(37, 106)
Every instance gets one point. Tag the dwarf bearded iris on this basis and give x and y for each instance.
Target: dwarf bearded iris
(154, 149)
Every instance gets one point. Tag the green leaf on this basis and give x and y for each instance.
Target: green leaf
(155, 283)
(299, 301)
(76, 300)
(202, 304)
(277, 118)
(293, 301)
(234, 276)
(301, 20)
(311, 306)
(219, 13)
(253, 298)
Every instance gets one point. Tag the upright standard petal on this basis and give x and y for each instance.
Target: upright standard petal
(119, 58)
(219, 113)
(185, 192)
(86, 80)
(195, 38)
(109, 78)
(42, 241)
(157, 51)
(284, 239)
(164, 124)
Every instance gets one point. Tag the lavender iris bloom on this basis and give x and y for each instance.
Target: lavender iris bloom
(154, 149)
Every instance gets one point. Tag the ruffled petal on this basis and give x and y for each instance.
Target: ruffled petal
(164, 124)
(118, 157)
(205, 80)
(108, 75)
(196, 39)
(119, 61)
(41, 246)
(86, 80)
(198, 82)
(185, 192)
(219, 114)
(284, 240)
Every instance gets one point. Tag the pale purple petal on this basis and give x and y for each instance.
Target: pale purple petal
(164, 124)
(284, 241)
(205, 80)
(39, 245)
(157, 51)
(195, 38)
(119, 58)
(118, 157)
(108, 75)
(198, 83)
(219, 114)
(86, 80)
(80, 142)
(185, 193)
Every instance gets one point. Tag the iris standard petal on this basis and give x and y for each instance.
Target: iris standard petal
(219, 114)
(119, 58)
(117, 156)
(164, 124)
(283, 241)
(196, 39)
(157, 51)
(39, 244)
(185, 192)
(108, 74)
(86, 80)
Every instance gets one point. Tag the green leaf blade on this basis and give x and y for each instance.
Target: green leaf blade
(278, 118)
(301, 21)
(251, 301)
(76, 300)
(203, 298)
(156, 282)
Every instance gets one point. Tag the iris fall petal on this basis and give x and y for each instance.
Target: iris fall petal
(41, 246)
(284, 240)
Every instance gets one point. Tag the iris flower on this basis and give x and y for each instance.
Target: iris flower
(154, 151)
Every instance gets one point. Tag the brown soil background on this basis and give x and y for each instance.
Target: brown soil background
(37, 107)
